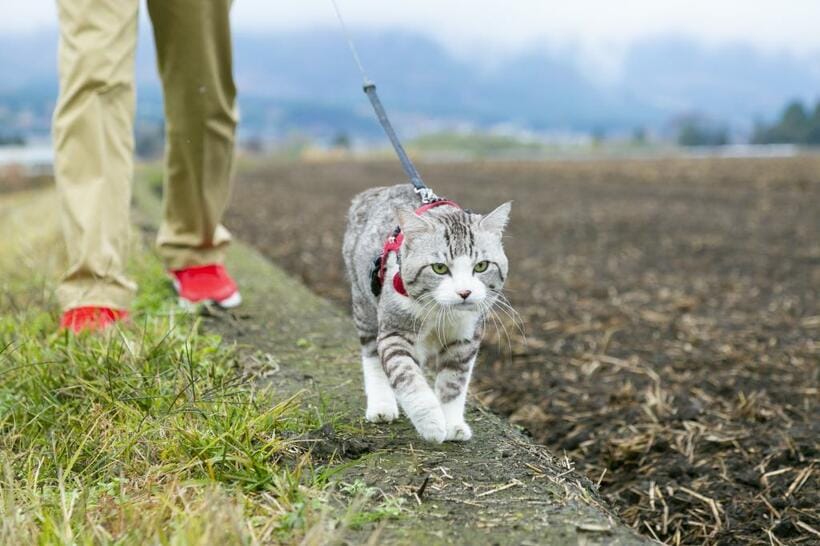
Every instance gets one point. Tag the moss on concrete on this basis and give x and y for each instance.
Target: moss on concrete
(499, 488)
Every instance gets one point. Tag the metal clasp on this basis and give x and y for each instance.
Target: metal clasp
(427, 195)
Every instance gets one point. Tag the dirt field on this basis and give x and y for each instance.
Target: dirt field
(672, 319)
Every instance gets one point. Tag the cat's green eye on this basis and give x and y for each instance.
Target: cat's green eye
(481, 267)
(440, 269)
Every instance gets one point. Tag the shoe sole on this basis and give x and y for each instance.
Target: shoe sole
(234, 300)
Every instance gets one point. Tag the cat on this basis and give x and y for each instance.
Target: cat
(429, 311)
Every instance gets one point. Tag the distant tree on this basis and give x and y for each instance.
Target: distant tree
(695, 131)
(341, 141)
(795, 126)
(639, 136)
(813, 134)
(12, 140)
(795, 117)
(253, 145)
(598, 136)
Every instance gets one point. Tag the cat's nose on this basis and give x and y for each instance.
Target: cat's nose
(464, 293)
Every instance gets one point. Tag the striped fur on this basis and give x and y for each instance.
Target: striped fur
(435, 327)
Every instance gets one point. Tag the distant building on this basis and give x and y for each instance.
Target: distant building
(28, 161)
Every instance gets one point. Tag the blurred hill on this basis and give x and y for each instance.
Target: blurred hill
(305, 82)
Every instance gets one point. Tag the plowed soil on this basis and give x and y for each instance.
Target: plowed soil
(671, 322)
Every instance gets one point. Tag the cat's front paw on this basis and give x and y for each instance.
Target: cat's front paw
(458, 432)
(382, 411)
(432, 428)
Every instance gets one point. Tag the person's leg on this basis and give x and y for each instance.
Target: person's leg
(193, 43)
(93, 142)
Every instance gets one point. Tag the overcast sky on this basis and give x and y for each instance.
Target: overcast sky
(604, 26)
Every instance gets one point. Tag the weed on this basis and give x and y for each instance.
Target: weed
(147, 434)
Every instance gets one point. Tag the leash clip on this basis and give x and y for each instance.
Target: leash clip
(427, 195)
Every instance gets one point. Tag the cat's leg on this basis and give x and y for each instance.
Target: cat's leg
(417, 399)
(455, 366)
(381, 402)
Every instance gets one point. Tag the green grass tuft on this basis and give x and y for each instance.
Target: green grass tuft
(148, 434)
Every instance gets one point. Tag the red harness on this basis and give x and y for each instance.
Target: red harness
(393, 244)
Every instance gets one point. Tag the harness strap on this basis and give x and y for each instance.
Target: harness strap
(393, 244)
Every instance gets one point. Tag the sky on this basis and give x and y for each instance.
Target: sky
(600, 27)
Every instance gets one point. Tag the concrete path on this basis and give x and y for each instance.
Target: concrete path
(499, 488)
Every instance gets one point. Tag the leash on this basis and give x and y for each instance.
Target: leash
(369, 87)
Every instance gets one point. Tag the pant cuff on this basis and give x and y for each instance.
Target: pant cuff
(95, 293)
(176, 257)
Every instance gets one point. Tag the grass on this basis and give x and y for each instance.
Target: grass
(483, 145)
(151, 434)
(474, 144)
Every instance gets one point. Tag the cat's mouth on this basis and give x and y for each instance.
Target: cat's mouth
(462, 306)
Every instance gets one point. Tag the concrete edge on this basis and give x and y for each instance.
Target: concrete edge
(499, 488)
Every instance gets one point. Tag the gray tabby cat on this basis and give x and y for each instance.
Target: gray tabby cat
(453, 267)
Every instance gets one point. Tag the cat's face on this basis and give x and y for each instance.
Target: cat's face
(454, 258)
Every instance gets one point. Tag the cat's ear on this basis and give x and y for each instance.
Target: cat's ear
(411, 223)
(496, 221)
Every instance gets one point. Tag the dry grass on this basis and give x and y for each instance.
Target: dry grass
(672, 318)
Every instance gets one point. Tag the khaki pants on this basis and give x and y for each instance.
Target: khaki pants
(94, 143)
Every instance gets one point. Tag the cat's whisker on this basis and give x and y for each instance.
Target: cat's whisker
(445, 315)
(482, 315)
(513, 315)
(428, 303)
(432, 317)
(491, 316)
(506, 334)
(450, 316)
(432, 314)
(499, 327)
(502, 298)
(440, 324)
(505, 306)
(485, 311)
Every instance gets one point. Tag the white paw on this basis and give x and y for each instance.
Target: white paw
(382, 411)
(431, 427)
(459, 432)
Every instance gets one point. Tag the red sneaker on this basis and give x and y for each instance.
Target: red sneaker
(91, 319)
(205, 283)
